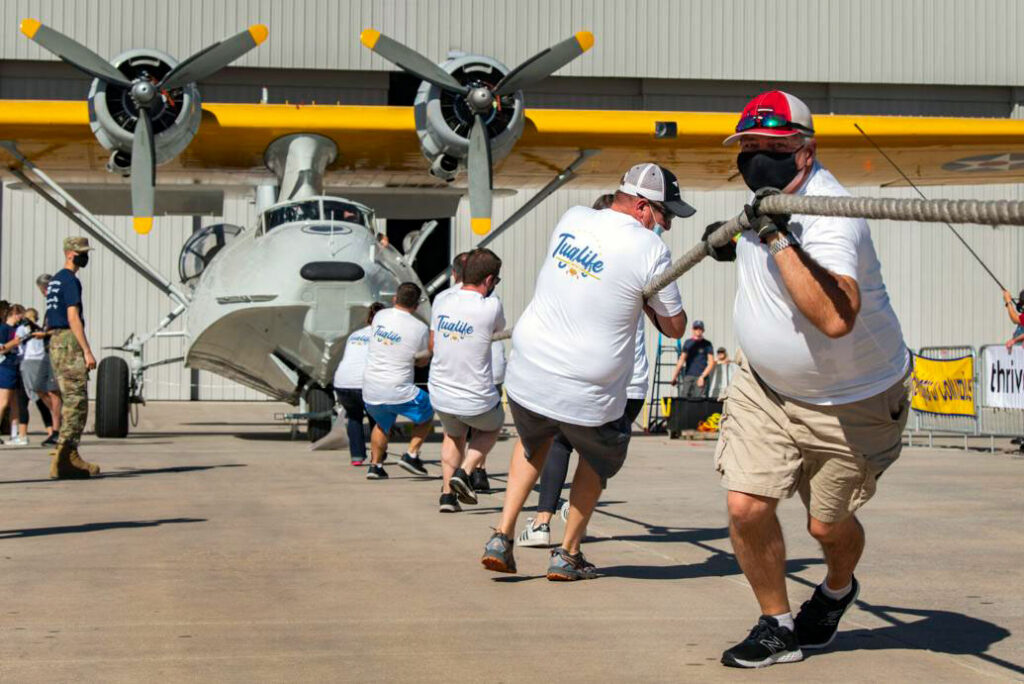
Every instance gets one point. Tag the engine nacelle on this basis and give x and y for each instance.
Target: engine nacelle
(113, 113)
(444, 120)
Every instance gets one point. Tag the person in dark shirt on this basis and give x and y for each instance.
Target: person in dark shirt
(71, 357)
(9, 364)
(696, 361)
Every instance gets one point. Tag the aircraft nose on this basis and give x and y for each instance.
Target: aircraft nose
(344, 271)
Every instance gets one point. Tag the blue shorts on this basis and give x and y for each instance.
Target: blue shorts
(8, 376)
(418, 411)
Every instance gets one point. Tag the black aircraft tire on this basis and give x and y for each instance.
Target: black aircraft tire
(318, 400)
(112, 401)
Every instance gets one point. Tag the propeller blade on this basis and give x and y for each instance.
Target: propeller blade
(544, 63)
(214, 58)
(410, 60)
(143, 174)
(480, 181)
(73, 52)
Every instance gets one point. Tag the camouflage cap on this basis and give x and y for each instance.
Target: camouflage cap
(76, 243)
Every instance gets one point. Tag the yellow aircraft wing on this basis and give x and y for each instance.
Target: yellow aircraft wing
(378, 146)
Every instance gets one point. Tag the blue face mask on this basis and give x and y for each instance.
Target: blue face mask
(658, 230)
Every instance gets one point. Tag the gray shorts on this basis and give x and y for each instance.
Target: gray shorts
(458, 426)
(603, 446)
(37, 376)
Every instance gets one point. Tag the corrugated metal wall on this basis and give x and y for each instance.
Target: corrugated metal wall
(117, 301)
(652, 54)
(941, 295)
(966, 42)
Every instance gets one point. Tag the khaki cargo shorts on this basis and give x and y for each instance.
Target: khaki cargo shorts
(774, 446)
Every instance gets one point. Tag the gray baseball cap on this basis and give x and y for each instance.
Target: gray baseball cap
(653, 182)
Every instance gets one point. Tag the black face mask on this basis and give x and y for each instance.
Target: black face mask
(763, 169)
(81, 259)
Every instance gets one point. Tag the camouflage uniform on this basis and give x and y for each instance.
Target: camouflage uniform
(68, 361)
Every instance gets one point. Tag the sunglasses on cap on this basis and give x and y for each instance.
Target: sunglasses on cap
(768, 121)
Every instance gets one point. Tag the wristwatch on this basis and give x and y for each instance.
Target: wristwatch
(782, 242)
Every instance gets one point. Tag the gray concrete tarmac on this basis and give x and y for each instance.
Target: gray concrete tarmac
(215, 549)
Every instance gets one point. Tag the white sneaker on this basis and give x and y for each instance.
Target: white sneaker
(564, 511)
(18, 441)
(539, 535)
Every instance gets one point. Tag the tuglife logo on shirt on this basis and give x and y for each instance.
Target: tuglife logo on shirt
(578, 261)
(360, 340)
(385, 336)
(453, 329)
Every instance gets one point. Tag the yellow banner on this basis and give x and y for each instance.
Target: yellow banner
(944, 386)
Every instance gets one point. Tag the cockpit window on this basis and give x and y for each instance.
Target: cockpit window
(335, 210)
(300, 211)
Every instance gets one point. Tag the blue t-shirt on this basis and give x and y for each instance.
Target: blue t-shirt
(10, 359)
(696, 352)
(64, 290)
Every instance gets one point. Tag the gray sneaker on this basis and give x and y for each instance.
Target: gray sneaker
(498, 554)
(568, 567)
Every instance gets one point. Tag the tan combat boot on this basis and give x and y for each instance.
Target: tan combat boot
(62, 467)
(55, 465)
(80, 463)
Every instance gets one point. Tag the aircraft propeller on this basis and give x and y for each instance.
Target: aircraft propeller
(145, 94)
(480, 100)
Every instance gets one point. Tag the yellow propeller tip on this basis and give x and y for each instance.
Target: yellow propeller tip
(480, 226)
(369, 37)
(585, 39)
(142, 224)
(29, 27)
(259, 32)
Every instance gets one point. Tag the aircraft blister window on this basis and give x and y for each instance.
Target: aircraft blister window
(200, 249)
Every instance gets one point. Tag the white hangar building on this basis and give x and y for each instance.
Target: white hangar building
(899, 57)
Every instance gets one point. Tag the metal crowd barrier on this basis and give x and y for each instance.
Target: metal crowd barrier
(996, 422)
(986, 422)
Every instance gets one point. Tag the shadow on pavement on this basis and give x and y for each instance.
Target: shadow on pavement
(720, 564)
(135, 473)
(941, 631)
(92, 527)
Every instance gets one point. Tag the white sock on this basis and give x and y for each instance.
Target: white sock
(785, 620)
(836, 594)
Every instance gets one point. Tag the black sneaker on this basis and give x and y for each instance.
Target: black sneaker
(480, 481)
(412, 464)
(51, 440)
(818, 619)
(767, 644)
(463, 488)
(376, 472)
(449, 503)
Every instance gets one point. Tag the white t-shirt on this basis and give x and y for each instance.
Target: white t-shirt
(396, 337)
(32, 349)
(349, 374)
(641, 370)
(574, 347)
(461, 379)
(498, 361)
(785, 349)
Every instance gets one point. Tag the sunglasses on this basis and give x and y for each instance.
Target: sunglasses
(768, 121)
(666, 215)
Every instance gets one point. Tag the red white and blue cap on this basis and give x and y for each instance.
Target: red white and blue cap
(782, 104)
(656, 183)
